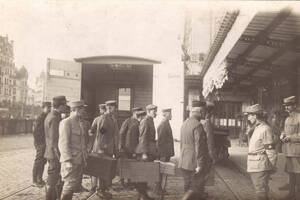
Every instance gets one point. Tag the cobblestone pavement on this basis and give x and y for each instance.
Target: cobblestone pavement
(16, 166)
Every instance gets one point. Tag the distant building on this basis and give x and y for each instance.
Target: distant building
(39, 91)
(7, 71)
(22, 88)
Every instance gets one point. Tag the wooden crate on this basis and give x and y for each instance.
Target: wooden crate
(168, 168)
(101, 166)
(138, 171)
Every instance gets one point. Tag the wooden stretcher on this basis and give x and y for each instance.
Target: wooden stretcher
(106, 168)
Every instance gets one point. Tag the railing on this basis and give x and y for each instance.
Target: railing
(15, 126)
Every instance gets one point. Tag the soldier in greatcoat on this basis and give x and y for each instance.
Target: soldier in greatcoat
(291, 148)
(208, 128)
(165, 142)
(194, 156)
(129, 134)
(106, 140)
(91, 142)
(40, 145)
(146, 149)
(52, 154)
(73, 149)
(262, 156)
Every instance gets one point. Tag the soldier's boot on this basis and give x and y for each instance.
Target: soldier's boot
(67, 196)
(58, 190)
(189, 195)
(34, 175)
(40, 175)
(292, 188)
(50, 193)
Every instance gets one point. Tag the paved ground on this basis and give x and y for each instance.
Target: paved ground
(17, 154)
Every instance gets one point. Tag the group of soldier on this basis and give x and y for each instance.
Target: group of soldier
(262, 153)
(64, 144)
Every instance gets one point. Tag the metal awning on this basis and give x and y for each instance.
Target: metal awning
(117, 59)
(267, 45)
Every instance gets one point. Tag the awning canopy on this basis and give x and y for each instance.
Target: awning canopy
(116, 59)
(268, 44)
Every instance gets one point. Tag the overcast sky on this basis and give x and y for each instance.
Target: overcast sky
(70, 29)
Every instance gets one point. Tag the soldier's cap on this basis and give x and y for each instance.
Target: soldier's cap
(137, 109)
(59, 100)
(46, 104)
(111, 103)
(196, 111)
(151, 107)
(141, 113)
(75, 104)
(210, 104)
(197, 103)
(289, 101)
(102, 106)
(255, 109)
(165, 110)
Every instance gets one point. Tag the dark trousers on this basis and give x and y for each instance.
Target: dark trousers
(39, 163)
(159, 187)
(54, 182)
(260, 182)
(194, 182)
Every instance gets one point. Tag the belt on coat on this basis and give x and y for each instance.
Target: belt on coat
(255, 154)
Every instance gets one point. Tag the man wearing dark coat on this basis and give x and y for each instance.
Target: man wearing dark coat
(40, 145)
(129, 134)
(146, 149)
(106, 141)
(52, 154)
(194, 156)
(165, 143)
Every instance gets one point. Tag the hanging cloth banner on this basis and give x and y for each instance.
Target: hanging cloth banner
(215, 78)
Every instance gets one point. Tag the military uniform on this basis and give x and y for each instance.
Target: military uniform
(129, 136)
(73, 148)
(146, 146)
(106, 140)
(147, 143)
(193, 154)
(292, 149)
(208, 128)
(262, 156)
(52, 152)
(40, 146)
(165, 143)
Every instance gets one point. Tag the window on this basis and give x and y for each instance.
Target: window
(193, 95)
(124, 99)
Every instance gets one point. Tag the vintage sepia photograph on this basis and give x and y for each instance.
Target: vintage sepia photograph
(149, 100)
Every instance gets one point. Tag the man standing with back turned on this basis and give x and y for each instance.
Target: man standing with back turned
(40, 145)
(54, 184)
(194, 156)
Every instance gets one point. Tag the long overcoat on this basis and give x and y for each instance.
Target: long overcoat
(193, 146)
(51, 126)
(165, 143)
(129, 135)
(107, 135)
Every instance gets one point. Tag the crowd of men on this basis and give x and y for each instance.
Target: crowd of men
(63, 143)
(62, 138)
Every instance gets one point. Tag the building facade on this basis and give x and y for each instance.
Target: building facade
(7, 71)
